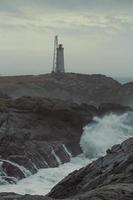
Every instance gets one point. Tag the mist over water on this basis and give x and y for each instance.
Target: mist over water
(96, 139)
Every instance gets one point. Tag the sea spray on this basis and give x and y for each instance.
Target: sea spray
(105, 132)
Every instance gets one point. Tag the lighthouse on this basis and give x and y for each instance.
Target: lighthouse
(58, 59)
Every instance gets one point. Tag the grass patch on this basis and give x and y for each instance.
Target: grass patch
(4, 104)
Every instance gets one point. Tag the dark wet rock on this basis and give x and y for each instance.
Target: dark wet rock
(125, 94)
(34, 132)
(114, 108)
(12, 170)
(114, 191)
(109, 177)
(12, 196)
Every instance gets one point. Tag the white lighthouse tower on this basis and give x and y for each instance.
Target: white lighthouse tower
(58, 60)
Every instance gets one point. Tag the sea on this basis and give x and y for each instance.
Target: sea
(124, 80)
(97, 137)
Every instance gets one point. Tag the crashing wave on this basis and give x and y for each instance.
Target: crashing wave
(105, 132)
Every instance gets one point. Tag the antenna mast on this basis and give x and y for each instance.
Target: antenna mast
(55, 52)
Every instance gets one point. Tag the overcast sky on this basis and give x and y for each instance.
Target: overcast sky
(97, 36)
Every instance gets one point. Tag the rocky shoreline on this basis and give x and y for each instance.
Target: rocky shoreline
(43, 130)
(109, 177)
(39, 133)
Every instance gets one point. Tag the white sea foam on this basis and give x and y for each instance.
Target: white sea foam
(67, 151)
(42, 182)
(56, 157)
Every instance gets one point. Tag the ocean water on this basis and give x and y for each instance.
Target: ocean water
(124, 80)
(96, 139)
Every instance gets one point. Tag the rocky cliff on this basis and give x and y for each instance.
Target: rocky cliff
(38, 133)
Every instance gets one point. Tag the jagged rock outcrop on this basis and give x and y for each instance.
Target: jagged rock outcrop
(114, 108)
(109, 177)
(39, 133)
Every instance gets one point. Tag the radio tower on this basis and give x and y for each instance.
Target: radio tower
(58, 58)
(55, 52)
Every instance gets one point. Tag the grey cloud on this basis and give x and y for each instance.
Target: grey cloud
(82, 23)
(91, 23)
(81, 3)
(13, 5)
(8, 7)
